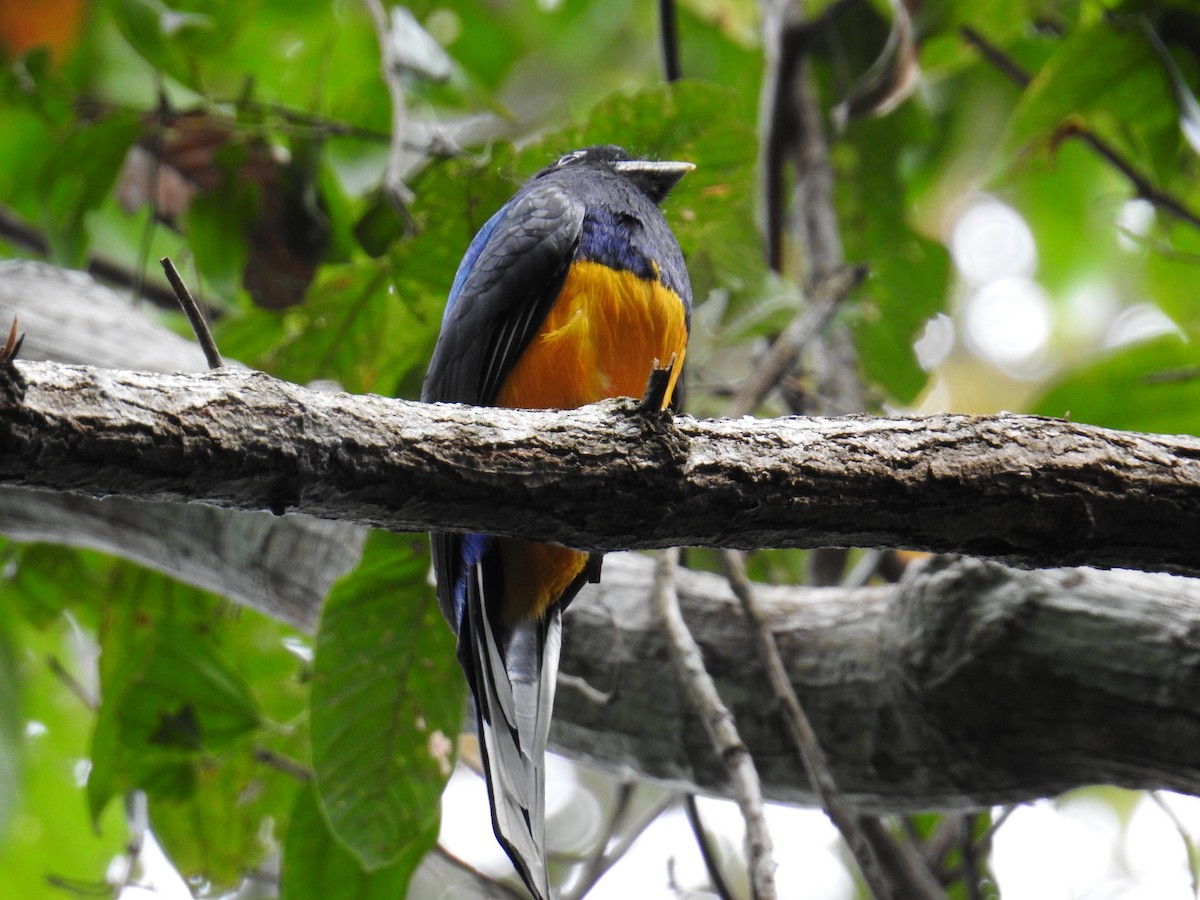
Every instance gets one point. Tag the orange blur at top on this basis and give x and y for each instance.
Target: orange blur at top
(600, 339)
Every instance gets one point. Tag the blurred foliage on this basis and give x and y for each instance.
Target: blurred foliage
(221, 717)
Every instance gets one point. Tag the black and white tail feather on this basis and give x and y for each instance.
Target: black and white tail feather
(514, 680)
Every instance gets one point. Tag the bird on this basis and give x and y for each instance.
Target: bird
(573, 292)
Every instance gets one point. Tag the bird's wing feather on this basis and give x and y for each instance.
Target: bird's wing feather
(509, 279)
(502, 293)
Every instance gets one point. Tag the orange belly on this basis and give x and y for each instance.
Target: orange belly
(600, 339)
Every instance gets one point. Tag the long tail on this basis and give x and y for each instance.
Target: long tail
(514, 679)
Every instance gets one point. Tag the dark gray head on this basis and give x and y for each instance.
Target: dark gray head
(654, 178)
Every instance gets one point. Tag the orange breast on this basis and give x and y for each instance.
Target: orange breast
(601, 339)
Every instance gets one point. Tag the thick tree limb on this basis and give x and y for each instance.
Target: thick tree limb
(283, 567)
(1024, 490)
(969, 684)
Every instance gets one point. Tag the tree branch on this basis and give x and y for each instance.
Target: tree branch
(1025, 490)
(967, 685)
(720, 725)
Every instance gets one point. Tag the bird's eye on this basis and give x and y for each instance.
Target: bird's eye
(573, 156)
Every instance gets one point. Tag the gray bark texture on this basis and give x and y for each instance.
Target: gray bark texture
(969, 683)
(282, 566)
(1019, 489)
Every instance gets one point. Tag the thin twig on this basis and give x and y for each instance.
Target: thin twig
(668, 33)
(711, 864)
(904, 866)
(971, 859)
(804, 737)
(983, 845)
(494, 887)
(137, 818)
(1141, 184)
(282, 763)
(59, 671)
(586, 690)
(1188, 846)
(776, 120)
(592, 868)
(192, 309)
(393, 178)
(785, 351)
(611, 850)
(862, 571)
(12, 345)
(1001, 61)
(719, 723)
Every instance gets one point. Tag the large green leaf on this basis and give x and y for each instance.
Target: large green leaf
(317, 867)
(204, 710)
(224, 828)
(169, 697)
(1173, 271)
(77, 177)
(1108, 75)
(387, 699)
(1152, 386)
(910, 272)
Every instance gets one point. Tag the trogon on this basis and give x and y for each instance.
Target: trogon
(568, 295)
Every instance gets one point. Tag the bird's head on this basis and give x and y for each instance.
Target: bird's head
(654, 178)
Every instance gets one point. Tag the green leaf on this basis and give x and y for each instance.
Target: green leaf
(910, 273)
(1152, 387)
(10, 724)
(380, 225)
(168, 696)
(1173, 271)
(173, 35)
(77, 177)
(33, 576)
(44, 826)
(386, 704)
(1099, 71)
(353, 328)
(317, 867)
(205, 711)
(218, 222)
(218, 833)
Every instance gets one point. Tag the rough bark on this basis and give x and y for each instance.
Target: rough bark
(1024, 490)
(966, 685)
(969, 684)
(282, 566)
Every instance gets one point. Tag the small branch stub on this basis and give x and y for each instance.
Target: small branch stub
(12, 346)
(192, 309)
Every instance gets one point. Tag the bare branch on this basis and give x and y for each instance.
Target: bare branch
(785, 351)
(393, 178)
(1025, 490)
(853, 830)
(194, 314)
(720, 725)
